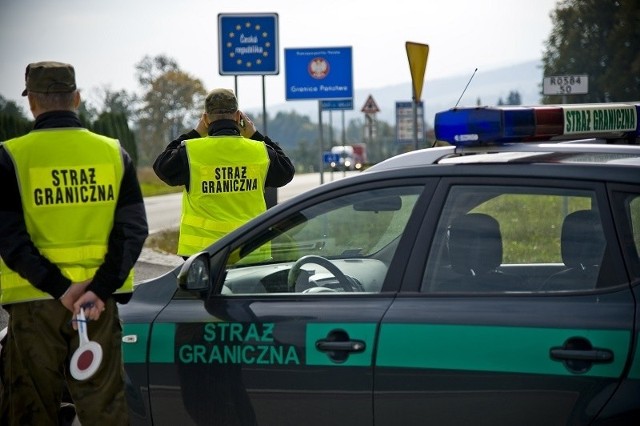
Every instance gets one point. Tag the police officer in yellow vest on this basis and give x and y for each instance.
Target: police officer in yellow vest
(224, 165)
(72, 225)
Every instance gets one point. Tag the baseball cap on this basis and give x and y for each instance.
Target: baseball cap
(49, 77)
(221, 101)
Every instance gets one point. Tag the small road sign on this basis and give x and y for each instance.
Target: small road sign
(370, 106)
(337, 104)
(405, 123)
(329, 157)
(565, 85)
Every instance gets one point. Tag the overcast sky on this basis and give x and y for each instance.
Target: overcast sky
(104, 39)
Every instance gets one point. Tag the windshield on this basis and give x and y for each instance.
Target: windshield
(354, 225)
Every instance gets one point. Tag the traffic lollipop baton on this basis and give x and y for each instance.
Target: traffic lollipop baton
(87, 358)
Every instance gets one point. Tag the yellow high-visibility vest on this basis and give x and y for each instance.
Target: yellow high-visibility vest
(69, 184)
(226, 189)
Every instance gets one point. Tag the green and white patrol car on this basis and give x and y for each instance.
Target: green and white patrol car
(494, 281)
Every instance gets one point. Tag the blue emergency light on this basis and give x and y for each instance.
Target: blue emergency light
(497, 125)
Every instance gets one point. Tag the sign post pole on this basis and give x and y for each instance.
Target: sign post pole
(321, 143)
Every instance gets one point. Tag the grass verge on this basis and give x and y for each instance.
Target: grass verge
(164, 241)
(151, 185)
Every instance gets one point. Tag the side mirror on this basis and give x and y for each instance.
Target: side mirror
(194, 274)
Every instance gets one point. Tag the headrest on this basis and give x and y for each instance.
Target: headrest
(582, 240)
(475, 244)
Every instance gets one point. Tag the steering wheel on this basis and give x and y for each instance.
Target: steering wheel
(344, 281)
(316, 290)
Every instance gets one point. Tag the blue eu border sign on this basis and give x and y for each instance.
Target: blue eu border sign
(318, 73)
(248, 44)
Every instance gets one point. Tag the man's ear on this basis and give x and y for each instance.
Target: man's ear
(32, 101)
(76, 100)
(33, 105)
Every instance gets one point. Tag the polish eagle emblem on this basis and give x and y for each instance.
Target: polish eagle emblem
(318, 68)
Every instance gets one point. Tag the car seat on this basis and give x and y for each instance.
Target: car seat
(582, 247)
(474, 243)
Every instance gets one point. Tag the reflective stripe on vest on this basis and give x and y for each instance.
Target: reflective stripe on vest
(69, 183)
(226, 189)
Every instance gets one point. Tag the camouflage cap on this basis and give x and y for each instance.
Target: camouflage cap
(221, 101)
(49, 77)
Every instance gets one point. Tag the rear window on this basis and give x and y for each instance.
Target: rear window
(519, 239)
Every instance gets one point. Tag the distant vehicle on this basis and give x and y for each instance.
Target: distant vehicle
(351, 157)
(360, 155)
(345, 157)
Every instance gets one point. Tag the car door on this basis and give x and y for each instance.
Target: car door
(515, 308)
(626, 199)
(285, 333)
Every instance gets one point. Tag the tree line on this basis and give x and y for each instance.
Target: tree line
(600, 39)
(14, 123)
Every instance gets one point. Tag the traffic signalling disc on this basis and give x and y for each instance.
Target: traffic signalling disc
(87, 358)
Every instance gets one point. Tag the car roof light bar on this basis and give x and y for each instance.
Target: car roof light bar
(466, 127)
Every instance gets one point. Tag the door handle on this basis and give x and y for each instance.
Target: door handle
(346, 346)
(577, 355)
(593, 355)
(338, 345)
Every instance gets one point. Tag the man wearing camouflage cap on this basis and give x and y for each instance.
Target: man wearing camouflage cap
(224, 165)
(72, 224)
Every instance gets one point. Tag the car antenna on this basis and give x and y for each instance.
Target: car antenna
(465, 88)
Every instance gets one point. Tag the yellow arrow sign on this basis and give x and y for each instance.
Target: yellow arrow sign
(417, 54)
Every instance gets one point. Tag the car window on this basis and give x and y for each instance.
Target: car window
(629, 209)
(344, 244)
(518, 239)
(634, 214)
